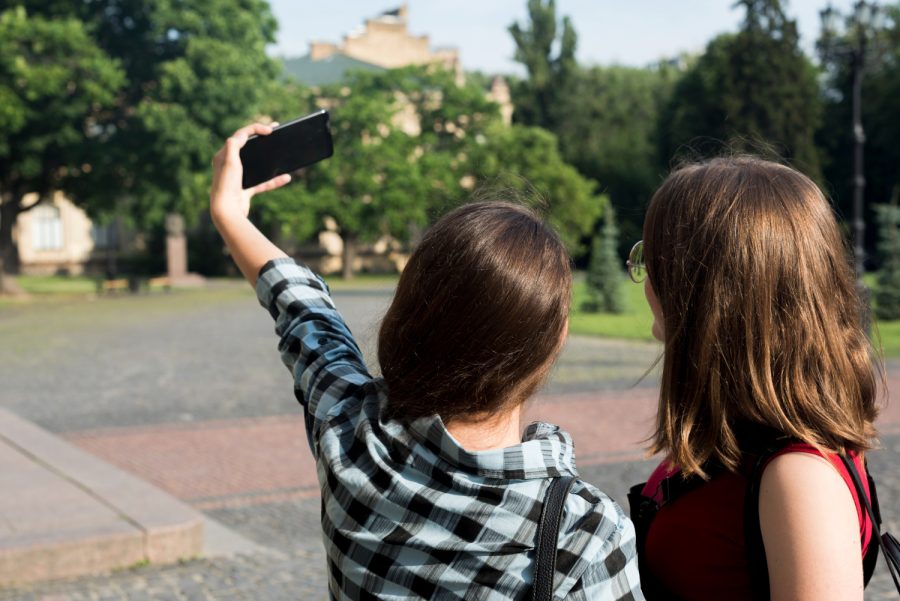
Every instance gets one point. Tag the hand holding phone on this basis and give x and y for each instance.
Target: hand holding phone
(229, 204)
(289, 147)
(228, 198)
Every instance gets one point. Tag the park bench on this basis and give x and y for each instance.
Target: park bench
(160, 282)
(116, 285)
(133, 284)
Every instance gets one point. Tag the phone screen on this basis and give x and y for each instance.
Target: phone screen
(289, 147)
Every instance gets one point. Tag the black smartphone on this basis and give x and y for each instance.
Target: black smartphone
(289, 147)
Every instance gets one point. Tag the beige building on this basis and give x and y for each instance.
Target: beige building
(385, 41)
(57, 237)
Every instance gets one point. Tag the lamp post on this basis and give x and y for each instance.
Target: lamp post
(848, 37)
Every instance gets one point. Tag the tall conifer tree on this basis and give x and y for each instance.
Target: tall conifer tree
(604, 277)
(540, 98)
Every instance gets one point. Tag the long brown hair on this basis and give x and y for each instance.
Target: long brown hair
(478, 316)
(762, 316)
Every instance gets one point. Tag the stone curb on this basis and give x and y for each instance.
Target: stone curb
(65, 513)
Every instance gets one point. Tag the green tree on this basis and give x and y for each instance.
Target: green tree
(539, 98)
(371, 186)
(748, 88)
(195, 71)
(462, 142)
(605, 118)
(887, 294)
(610, 133)
(54, 82)
(410, 144)
(528, 158)
(604, 276)
(405, 140)
(881, 122)
(453, 120)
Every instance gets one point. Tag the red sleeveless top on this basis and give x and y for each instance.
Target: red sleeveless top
(695, 545)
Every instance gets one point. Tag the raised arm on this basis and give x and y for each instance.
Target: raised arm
(315, 343)
(229, 205)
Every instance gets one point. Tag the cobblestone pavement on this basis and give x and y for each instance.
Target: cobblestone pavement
(246, 579)
(195, 377)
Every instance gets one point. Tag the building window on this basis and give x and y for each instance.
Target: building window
(104, 236)
(47, 227)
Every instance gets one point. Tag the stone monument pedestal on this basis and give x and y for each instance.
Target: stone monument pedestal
(176, 254)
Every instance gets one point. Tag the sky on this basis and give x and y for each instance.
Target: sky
(624, 32)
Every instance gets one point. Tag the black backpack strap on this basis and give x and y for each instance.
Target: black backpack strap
(643, 510)
(766, 443)
(874, 513)
(753, 543)
(548, 537)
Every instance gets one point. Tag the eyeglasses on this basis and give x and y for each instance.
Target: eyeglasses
(637, 270)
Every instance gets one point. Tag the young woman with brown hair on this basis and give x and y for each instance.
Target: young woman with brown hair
(429, 488)
(765, 355)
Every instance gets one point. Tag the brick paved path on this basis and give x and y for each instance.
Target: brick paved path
(187, 392)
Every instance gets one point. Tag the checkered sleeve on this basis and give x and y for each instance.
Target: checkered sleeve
(612, 572)
(315, 343)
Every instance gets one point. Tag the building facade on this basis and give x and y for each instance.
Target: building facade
(382, 42)
(57, 237)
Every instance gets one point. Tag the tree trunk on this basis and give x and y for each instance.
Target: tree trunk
(348, 256)
(9, 252)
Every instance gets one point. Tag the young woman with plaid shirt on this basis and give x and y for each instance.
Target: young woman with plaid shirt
(429, 490)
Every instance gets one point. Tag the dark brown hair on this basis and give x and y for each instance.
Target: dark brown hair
(762, 316)
(478, 316)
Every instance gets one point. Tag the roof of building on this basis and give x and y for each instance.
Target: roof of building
(394, 12)
(332, 69)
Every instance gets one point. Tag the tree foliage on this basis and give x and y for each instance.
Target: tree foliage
(402, 149)
(539, 99)
(54, 83)
(196, 71)
(881, 123)
(611, 134)
(453, 121)
(125, 100)
(193, 72)
(887, 294)
(371, 185)
(412, 143)
(528, 159)
(605, 118)
(611, 127)
(752, 90)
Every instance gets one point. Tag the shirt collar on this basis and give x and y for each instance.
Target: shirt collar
(546, 451)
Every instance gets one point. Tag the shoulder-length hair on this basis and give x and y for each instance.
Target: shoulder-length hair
(763, 321)
(479, 314)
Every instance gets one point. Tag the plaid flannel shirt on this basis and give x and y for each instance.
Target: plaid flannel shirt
(407, 512)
